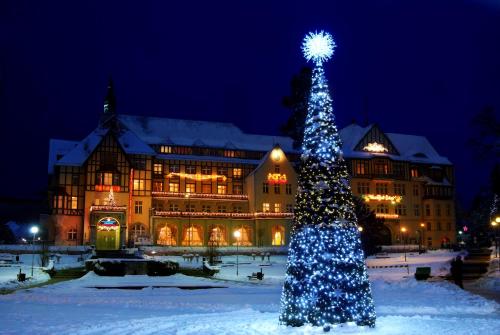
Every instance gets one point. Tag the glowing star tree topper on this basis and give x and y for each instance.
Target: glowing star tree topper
(318, 46)
(326, 279)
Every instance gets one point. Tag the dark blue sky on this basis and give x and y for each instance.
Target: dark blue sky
(426, 67)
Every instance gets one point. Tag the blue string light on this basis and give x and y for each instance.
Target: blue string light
(326, 278)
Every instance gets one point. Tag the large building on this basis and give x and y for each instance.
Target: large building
(178, 183)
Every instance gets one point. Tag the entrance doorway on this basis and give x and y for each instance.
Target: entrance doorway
(108, 234)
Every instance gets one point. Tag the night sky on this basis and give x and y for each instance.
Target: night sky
(424, 67)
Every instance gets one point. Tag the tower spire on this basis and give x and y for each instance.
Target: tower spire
(109, 110)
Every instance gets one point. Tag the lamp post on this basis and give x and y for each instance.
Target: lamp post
(190, 229)
(360, 229)
(34, 231)
(422, 235)
(495, 223)
(403, 235)
(237, 235)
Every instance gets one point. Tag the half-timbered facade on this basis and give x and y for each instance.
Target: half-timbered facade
(179, 183)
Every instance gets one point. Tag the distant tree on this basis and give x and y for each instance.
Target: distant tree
(374, 232)
(296, 102)
(485, 138)
(485, 141)
(6, 235)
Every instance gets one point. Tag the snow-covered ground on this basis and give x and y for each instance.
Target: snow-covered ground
(8, 272)
(403, 305)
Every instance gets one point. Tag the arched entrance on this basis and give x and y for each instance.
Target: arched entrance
(108, 234)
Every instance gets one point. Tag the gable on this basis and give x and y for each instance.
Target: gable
(375, 141)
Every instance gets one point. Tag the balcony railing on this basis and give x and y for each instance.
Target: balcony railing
(222, 215)
(107, 208)
(207, 196)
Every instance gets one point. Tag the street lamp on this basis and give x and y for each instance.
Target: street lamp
(34, 231)
(495, 224)
(190, 229)
(237, 235)
(403, 235)
(360, 229)
(422, 236)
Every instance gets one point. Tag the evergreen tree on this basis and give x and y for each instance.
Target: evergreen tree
(326, 279)
(296, 102)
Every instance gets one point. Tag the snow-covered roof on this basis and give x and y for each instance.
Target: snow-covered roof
(155, 130)
(411, 148)
(79, 154)
(57, 149)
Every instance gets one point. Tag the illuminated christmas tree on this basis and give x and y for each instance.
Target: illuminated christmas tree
(326, 280)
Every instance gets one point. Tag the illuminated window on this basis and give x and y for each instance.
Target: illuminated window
(218, 236)
(277, 208)
(276, 188)
(139, 184)
(245, 236)
(237, 173)
(190, 169)
(206, 170)
(206, 208)
(190, 208)
(206, 188)
(193, 236)
(221, 209)
(265, 207)
(237, 209)
(416, 210)
(229, 153)
(74, 203)
(265, 188)
(416, 190)
(173, 187)
(190, 188)
(414, 172)
(288, 188)
(429, 226)
(167, 235)
(381, 188)
(158, 186)
(361, 168)
(72, 235)
(289, 208)
(157, 168)
(399, 189)
(138, 207)
(107, 178)
(221, 189)
(363, 188)
(427, 210)
(173, 169)
(174, 207)
(237, 189)
(166, 149)
(278, 235)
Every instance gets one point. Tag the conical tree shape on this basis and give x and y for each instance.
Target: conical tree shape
(326, 280)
